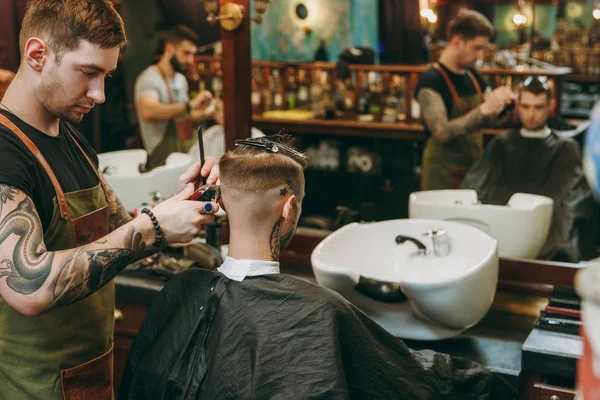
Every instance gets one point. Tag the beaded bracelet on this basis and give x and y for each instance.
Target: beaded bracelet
(159, 241)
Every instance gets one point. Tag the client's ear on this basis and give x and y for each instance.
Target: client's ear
(289, 208)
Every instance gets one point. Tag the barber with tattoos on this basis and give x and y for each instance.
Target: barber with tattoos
(454, 108)
(64, 235)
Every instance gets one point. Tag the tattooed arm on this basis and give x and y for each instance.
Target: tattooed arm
(118, 216)
(435, 117)
(34, 280)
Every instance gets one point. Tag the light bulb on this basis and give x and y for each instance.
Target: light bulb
(519, 19)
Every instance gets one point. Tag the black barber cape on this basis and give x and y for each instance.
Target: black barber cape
(550, 167)
(280, 337)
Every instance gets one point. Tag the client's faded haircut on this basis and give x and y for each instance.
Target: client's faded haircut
(253, 168)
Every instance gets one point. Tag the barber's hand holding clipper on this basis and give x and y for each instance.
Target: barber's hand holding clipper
(496, 101)
(180, 218)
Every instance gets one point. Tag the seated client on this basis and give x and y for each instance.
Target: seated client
(248, 332)
(533, 159)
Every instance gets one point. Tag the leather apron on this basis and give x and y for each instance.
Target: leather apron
(177, 139)
(66, 353)
(445, 164)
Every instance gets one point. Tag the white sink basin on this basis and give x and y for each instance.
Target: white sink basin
(134, 188)
(453, 291)
(521, 227)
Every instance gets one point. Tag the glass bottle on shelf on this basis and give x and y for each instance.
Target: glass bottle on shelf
(350, 95)
(217, 81)
(400, 83)
(267, 93)
(292, 90)
(364, 98)
(328, 99)
(316, 94)
(278, 91)
(339, 89)
(256, 95)
(375, 89)
(390, 103)
(303, 88)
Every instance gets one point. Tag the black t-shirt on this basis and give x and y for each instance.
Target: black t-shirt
(19, 167)
(432, 79)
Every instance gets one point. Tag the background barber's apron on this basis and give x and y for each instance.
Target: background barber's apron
(67, 352)
(445, 164)
(170, 144)
(178, 136)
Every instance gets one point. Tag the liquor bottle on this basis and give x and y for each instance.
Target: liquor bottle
(328, 99)
(278, 91)
(292, 90)
(350, 96)
(256, 95)
(390, 103)
(267, 93)
(316, 94)
(303, 89)
(375, 95)
(364, 98)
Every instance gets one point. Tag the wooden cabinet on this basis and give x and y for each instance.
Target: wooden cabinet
(128, 320)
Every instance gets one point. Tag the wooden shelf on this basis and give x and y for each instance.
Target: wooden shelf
(410, 131)
(582, 78)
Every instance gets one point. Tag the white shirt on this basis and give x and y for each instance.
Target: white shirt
(539, 134)
(151, 83)
(237, 270)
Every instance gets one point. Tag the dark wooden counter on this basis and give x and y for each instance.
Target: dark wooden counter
(410, 131)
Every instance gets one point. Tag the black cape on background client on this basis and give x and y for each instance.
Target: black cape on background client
(551, 167)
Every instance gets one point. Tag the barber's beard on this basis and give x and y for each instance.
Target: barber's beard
(176, 65)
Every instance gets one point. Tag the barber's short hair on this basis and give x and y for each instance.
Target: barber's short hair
(180, 33)
(252, 169)
(470, 24)
(537, 85)
(63, 24)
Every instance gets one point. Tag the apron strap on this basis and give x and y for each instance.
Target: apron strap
(475, 82)
(60, 195)
(171, 98)
(456, 99)
(102, 183)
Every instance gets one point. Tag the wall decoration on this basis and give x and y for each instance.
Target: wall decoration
(292, 29)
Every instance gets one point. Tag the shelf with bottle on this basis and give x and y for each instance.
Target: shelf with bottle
(365, 100)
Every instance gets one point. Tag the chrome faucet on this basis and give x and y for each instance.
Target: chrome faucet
(439, 238)
(441, 242)
(400, 239)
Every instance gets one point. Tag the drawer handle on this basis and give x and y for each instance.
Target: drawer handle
(554, 397)
(119, 316)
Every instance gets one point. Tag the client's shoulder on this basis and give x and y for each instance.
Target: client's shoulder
(193, 280)
(311, 291)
